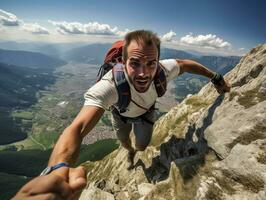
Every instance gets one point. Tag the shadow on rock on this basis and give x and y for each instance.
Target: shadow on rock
(187, 155)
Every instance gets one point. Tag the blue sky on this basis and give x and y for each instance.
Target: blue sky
(204, 25)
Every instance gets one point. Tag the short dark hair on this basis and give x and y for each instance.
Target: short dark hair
(148, 37)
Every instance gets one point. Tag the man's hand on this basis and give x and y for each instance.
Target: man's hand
(76, 177)
(55, 185)
(223, 86)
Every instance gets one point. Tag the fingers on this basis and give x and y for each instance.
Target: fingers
(48, 187)
(62, 172)
(60, 186)
(64, 183)
(48, 196)
(49, 183)
(77, 178)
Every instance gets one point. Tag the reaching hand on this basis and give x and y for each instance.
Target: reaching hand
(220, 84)
(223, 86)
(55, 185)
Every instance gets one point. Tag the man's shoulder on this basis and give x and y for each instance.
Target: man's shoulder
(168, 62)
(108, 76)
(171, 68)
(106, 83)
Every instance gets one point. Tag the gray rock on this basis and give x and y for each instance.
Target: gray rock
(209, 146)
(94, 193)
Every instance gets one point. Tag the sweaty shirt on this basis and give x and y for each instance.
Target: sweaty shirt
(104, 94)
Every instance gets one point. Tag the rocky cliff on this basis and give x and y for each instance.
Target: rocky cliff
(210, 146)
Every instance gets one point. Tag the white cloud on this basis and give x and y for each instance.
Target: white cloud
(9, 19)
(35, 29)
(91, 28)
(207, 41)
(168, 36)
(241, 49)
(2, 29)
(122, 33)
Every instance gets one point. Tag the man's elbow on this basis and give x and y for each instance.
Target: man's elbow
(182, 66)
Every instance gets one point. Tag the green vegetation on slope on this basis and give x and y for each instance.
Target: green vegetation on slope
(9, 130)
(10, 184)
(185, 85)
(29, 163)
(97, 150)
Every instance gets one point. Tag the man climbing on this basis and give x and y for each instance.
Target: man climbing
(146, 77)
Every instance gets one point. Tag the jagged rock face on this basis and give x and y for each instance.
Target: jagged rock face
(209, 146)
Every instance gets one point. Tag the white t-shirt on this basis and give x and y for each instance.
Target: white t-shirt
(104, 94)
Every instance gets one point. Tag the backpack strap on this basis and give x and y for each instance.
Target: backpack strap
(160, 81)
(103, 70)
(122, 86)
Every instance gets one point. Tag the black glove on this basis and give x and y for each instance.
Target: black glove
(217, 79)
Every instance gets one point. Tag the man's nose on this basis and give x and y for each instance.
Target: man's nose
(142, 70)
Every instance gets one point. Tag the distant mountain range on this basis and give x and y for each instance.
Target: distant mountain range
(95, 53)
(51, 49)
(29, 59)
(92, 53)
(221, 64)
(22, 74)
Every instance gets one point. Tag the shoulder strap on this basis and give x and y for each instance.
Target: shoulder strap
(103, 70)
(160, 81)
(122, 86)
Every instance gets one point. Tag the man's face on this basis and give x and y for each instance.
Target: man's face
(141, 65)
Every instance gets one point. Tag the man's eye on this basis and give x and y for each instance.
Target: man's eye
(151, 64)
(134, 64)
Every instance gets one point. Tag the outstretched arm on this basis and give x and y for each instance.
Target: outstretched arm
(68, 145)
(193, 67)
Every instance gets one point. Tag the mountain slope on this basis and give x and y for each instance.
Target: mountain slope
(173, 53)
(92, 53)
(208, 147)
(19, 85)
(18, 89)
(29, 59)
(51, 49)
(219, 64)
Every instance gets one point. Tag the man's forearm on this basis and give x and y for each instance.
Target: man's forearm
(67, 147)
(193, 67)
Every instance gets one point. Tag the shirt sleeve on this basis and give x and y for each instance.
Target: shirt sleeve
(171, 68)
(103, 94)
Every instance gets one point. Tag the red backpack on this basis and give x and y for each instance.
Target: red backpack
(113, 60)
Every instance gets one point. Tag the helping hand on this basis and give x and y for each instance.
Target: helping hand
(64, 183)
